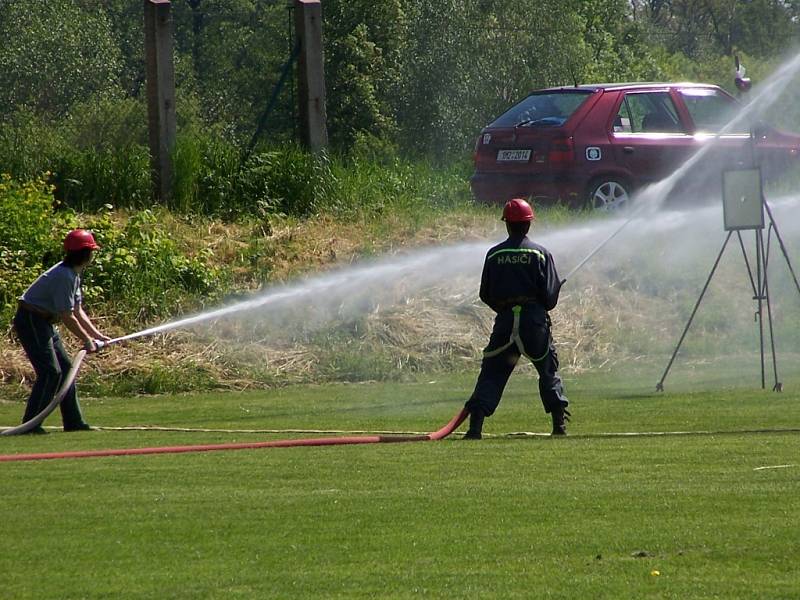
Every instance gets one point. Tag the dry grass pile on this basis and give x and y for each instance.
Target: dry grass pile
(603, 317)
(443, 329)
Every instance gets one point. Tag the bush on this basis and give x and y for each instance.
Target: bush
(31, 233)
(142, 273)
(28, 145)
(88, 179)
(212, 178)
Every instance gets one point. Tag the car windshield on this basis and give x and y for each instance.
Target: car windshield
(548, 109)
(711, 110)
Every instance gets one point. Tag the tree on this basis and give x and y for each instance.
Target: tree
(55, 53)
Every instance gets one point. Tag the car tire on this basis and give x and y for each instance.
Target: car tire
(608, 193)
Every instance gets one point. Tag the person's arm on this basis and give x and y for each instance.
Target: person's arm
(485, 287)
(87, 325)
(72, 323)
(552, 284)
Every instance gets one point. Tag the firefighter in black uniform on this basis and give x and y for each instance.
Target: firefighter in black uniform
(521, 285)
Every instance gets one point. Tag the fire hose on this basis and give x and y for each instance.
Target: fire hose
(69, 380)
(77, 360)
(327, 441)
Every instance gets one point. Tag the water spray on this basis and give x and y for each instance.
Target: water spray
(422, 267)
(597, 248)
(654, 195)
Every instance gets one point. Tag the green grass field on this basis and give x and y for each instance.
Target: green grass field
(673, 516)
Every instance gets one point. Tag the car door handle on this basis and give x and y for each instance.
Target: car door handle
(628, 149)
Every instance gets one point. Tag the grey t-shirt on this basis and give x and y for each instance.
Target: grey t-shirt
(56, 290)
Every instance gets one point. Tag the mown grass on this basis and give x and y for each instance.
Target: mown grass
(580, 517)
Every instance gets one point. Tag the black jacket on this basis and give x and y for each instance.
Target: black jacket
(519, 272)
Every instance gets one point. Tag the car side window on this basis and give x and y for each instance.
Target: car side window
(647, 112)
(711, 110)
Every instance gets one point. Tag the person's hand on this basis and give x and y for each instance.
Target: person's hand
(90, 346)
(103, 338)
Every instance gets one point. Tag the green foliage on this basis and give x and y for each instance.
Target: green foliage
(697, 30)
(29, 145)
(211, 177)
(151, 379)
(54, 54)
(363, 63)
(95, 155)
(230, 54)
(141, 271)
(368, 187)
(30, 236)
(88, 179)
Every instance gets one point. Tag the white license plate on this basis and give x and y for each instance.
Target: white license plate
(513, 155)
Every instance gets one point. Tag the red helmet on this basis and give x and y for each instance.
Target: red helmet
(517, 211)
(78, 239)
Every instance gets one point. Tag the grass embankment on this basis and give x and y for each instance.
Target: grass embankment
(247, 256)
(582, 517)
(628, 305)
(159, 264)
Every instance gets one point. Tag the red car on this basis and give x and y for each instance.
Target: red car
(597, 144)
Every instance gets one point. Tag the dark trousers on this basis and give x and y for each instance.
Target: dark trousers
(44, 349)
(530, 335)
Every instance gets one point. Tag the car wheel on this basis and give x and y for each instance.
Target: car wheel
(608, 194)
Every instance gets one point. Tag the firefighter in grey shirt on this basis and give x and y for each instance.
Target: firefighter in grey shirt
(56, 296)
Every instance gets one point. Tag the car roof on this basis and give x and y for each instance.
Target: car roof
(640, 85)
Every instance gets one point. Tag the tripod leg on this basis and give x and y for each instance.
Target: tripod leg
(747, 263)
(760, 300)
(660, 384)
(782, 246)
(778, 387)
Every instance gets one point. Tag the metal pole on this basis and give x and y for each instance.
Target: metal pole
(660, 384)
(778, 387)
(747, 262)
(759, 298)
(782, 246)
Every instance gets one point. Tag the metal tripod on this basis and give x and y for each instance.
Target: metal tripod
(760, 285)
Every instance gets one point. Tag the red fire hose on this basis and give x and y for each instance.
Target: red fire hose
(330, 441)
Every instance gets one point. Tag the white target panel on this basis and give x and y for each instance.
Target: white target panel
(742, 199)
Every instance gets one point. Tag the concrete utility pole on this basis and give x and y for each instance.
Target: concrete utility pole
(160, 72)
(311, 74)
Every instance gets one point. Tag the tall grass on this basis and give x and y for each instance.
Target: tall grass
(98, 155)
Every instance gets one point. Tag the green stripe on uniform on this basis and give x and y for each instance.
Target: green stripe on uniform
(519, 250)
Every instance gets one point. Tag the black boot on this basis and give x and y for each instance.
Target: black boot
(560, 419)
(476, 417)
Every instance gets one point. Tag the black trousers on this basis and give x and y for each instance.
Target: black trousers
(521, 330)
(44, 349)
